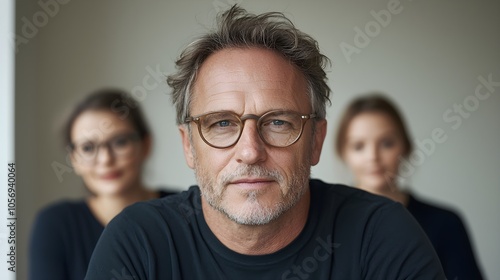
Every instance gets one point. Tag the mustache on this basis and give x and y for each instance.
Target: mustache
(251, 171)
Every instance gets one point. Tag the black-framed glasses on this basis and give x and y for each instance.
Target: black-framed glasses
(276, 128)
(122, 145)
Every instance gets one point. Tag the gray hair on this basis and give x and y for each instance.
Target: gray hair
(238, 28)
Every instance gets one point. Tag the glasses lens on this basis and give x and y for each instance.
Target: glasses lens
(220, 129)
(280, 129)
(86, 150)
(122, 145)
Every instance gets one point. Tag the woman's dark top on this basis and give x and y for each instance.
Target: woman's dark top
(448, 235)
(62, 240)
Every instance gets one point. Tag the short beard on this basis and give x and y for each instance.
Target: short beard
(255, 213)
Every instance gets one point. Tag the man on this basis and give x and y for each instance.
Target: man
(250, 102)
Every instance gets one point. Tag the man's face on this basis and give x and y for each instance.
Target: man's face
(251, 182)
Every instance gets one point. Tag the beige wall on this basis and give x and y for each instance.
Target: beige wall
(428, 57)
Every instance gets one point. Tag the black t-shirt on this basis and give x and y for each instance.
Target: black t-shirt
(63, 237)
(350, 234)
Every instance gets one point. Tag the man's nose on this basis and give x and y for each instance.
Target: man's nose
(250, 148)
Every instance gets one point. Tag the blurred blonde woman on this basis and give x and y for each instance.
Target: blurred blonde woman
(109, 141)
(372, 140)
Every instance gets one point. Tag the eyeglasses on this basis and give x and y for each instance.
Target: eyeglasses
(276, 128)
(122, 145)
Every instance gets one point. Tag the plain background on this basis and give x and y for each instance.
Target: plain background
(427, 57)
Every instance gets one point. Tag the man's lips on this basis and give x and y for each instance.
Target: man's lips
(252, 183)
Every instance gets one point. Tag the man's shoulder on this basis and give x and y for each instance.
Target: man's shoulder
(363, 225)
(342, 195)
(189, 197)
(344, 204)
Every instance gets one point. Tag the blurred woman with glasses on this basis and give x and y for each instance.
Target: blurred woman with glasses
(109, 142)
(373, 141)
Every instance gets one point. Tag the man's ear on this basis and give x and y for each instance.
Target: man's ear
(186, 144)
(319, 139)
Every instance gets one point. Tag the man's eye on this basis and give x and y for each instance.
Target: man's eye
(223, 123)
(278, 125)
(277, 122)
